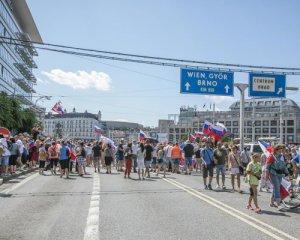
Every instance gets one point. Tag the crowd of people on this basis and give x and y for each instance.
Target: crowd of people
(259, 170)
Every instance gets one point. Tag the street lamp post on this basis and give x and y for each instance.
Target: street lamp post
(242, 87)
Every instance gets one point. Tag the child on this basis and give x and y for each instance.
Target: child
(253, 172)
(42, 158)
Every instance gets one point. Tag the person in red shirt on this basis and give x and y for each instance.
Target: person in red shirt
(53, 153)
(176, 156)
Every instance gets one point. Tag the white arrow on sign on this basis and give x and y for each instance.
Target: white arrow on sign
(187, 86)
(227, 88)
(279, 91)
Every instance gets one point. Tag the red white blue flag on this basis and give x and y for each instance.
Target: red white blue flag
(192, 138)
(207, 127)
(98, 130)
(58, 108)
(142, 135)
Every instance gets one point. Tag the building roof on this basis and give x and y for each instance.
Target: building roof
(266, 102)
(25, 20)
(72, 115)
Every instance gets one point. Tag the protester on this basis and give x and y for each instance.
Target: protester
(53, 152)
(207, 164)
(140, 161)
(64, 155)
(128, 160)
(5, 155)
(188, 151)
(96, 153)
(120, 159)
(134, 149)
(253, 172)
(276, 168)
(80, 159)
(148, 157)
(108, 156)
(234, 166)
(15, 152)
(220, 158)
(42, 159)
(176, 157)
(160, 160)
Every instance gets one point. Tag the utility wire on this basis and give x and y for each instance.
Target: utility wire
(162, 63)
(156, 58)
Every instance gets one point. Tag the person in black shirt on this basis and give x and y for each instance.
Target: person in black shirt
(96, 150)
(148, 156)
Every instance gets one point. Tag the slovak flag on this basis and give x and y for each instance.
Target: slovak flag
(142, 135)
(265, 147)
(199, 134)
(192, 138)
(98, 130)
(224, 129)
(58, 108)
(207, 127)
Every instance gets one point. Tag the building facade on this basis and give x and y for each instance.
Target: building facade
(262, 119)
(73, 125)
(17, 29)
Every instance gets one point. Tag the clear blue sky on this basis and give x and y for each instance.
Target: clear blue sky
(244, 32)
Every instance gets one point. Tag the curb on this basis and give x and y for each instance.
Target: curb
(5, 179)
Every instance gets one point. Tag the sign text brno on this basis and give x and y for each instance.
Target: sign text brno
(266, 85)
(206, 82)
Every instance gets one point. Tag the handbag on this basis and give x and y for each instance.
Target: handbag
(241, 169)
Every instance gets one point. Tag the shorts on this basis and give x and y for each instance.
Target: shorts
(108, 161)
(220, 168)
(154, 160)
(80, 160)
(13, 160)
(96, 160)
(147, 164)
(188, 161)
(169, 160)
(234, 171)
(176, 161)
(64, 163)
(5, 160)
(42, 164)
(24, 158)
(54, 162)
(207, 170)
(140, 164)
(160, 161)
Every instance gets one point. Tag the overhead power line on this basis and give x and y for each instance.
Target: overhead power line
(78, 52)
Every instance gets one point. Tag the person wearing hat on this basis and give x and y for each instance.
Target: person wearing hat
(276, 169)
(207, 164)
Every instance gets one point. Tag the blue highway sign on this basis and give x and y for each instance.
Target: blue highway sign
(266, 85)
(206, 82)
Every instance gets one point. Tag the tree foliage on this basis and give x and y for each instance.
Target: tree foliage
(13, 116)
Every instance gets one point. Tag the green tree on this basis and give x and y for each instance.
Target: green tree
(13, 116)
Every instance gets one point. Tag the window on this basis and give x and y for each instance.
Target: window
(290, 122)
(227, 123)
(273, 123)
(257, 130)
(258, 115)
(235, 123)
(249, 130)
(235, 130)
(268, 103)
(265, 123)
(265, 130)
(290, 138)
(276, 103)
(249, 123)
(257, 123)
(182, 130)
(290, 130)
(273, 130)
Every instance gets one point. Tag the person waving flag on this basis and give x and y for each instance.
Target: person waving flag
(142, 135)
(58, 108)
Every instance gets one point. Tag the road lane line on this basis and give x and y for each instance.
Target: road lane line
(233, 212)
(91, 231)
(14, 187)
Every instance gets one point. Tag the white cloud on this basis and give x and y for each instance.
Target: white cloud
(39, 80)
(80, 79)
(220, 99)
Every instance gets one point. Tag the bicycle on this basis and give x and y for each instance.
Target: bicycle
(293, 200)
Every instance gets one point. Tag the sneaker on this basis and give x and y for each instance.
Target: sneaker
(218, 186)
(272, 205)
(190, 173)
(280, 207)
(224, 188)
(205, 187)
(249, 207)
(209, 187)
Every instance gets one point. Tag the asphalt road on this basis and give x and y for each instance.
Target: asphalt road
(104, 206)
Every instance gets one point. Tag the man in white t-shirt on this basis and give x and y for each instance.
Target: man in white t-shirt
(19, 142)
(5, 155)
(168, 157)
(134, 149)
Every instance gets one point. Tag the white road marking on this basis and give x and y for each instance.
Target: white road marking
(91, 231)
(14, 187)
(233, 212)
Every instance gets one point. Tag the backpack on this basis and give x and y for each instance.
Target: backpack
(53, 153)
